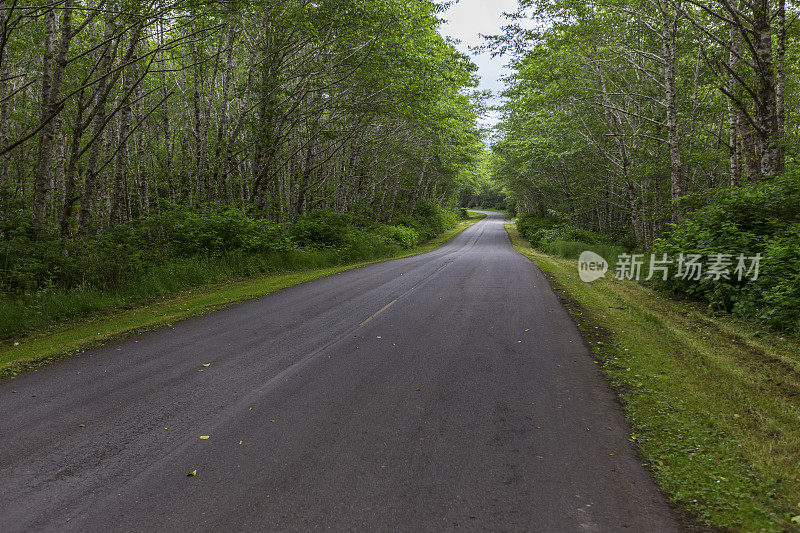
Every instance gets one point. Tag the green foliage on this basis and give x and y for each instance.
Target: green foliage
(188, 233)
(533, 225)
(321, 230)
(541, 230)
(428, 219)
(402, 235)
(759, 219)
(775, 296)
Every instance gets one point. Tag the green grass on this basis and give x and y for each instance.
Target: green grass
(714, 401)
(574, 249)
(26, 313)
(118, 318)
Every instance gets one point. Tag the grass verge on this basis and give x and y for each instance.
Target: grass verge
(714, 402)
(63, 339)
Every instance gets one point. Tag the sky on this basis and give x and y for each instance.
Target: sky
(466, 21)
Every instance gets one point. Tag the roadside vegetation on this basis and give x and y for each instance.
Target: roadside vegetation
(713, 401)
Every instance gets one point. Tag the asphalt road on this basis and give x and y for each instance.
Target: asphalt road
(445, 391)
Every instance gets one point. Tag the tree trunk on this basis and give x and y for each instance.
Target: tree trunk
(766, 101)
(54, 64)
(780, 81)
(673, 138)
(734, 113)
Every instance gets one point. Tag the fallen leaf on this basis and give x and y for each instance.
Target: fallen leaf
(206, 364)
(192, 473)
(240, 442)
(205, 437)
(82, 426)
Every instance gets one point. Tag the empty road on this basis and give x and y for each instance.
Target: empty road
(445, 391)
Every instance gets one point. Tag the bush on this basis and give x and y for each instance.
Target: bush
(540, 230)
(428, 220)
(321, 230)
(187, 233)
(758, 219)
(401, 235)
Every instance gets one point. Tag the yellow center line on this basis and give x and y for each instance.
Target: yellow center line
(385, 307)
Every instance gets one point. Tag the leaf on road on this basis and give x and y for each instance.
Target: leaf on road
(192, 473)
(205, 437)
(206, 364)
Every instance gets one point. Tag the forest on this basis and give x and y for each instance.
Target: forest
(136, 135)
(664, 126)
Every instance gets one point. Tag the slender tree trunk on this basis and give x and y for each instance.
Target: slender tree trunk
(54, 64)
(220, 181)
(5, 71)
(780, 81)
(766, 101)
(673, 138)
(734, 113)
(119, 198)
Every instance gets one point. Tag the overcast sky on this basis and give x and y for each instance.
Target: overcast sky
(467, 20)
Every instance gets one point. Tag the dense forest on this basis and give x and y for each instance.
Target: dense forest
(667, 126)
(134, 134)
(111, 110)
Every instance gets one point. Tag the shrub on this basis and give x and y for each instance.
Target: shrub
(542, 229)
(321, 230)
(533, 225)
(757, 219)
(402, 235)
